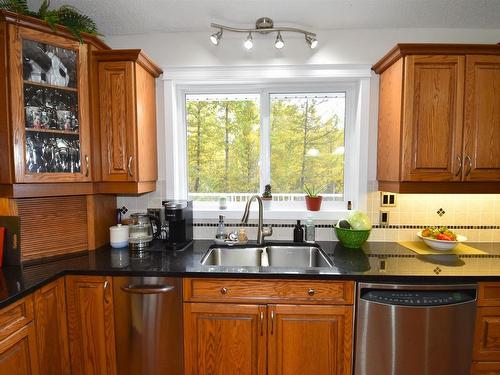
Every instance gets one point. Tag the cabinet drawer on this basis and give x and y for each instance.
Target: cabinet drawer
(268, 291)
(489, 294)
(485, 368)
(15, 316)
(487, 335)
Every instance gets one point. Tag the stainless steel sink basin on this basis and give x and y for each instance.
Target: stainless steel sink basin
(244, 257)
(297, 256)
(277, 256)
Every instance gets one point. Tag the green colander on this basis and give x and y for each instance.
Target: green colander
(352, 238)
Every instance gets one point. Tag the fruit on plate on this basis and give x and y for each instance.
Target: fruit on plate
(439, 233)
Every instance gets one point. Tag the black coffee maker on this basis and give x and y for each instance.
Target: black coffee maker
(179, 220)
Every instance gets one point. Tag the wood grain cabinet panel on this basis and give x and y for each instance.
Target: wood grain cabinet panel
(15, 316)
(482, 119)
(18, 352)
(51, 329)
(126, 88)
(485, 368)
(432, 132)
(310, 340)
(487, 336)
(222, 339)
(91, 325)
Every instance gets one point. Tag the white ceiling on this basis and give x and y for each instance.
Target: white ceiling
(115, 17)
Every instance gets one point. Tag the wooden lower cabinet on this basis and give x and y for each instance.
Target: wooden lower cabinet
(91, 324)
(308, 339)
(18, 348)
(18, 352)
(222, 339)
(51, 329)
(275, 327)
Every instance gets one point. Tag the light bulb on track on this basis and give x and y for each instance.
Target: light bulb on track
(279, 44)
(215, 38)
(248, 42)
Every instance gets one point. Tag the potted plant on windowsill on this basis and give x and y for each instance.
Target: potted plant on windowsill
(313, 199)
(267, 196)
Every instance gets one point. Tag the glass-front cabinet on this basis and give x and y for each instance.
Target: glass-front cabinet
(50, 116)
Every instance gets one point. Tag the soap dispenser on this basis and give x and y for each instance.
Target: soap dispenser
(298, 232)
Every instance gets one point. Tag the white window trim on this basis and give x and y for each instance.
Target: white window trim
(353, 79)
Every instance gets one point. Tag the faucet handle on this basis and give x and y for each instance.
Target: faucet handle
(267, 231)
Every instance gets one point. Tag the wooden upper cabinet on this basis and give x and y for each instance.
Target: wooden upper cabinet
(91, 325)
(221, 339)
(310, 340)
(49, 107)
(432, 129)
(439, 119)
(51, 329)
(44, 109)
(127, 120)
(482, 118)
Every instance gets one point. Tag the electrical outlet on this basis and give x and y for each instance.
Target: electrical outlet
(387, 199)
(384, 218)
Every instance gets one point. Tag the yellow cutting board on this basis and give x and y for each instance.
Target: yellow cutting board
(421, 248)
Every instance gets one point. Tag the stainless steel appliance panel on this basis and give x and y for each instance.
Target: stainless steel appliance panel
(148, 325)
(414, 329)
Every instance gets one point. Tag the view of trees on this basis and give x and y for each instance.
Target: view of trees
(307, 143)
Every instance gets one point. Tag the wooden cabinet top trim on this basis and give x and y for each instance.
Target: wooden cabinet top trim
(405, 49)
(40, 25)
(136, 55)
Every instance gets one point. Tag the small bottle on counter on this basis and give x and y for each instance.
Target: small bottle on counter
(310, 231)
(298, 232)
(221, 229)
(242, 235)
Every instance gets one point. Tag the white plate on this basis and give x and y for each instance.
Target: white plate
(441, 245)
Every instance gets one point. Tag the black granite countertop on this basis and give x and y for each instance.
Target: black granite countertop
(376, 262)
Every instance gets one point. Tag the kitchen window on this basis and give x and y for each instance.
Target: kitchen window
(238, 140)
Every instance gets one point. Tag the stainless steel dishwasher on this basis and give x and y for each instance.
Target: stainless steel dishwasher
(414, 329)
(148, 325)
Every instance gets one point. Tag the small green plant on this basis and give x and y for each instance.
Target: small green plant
(65, 15)
(267, 192)
(313, 191)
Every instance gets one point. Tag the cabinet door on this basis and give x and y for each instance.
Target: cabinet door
(51, 329)
(18, 352)
(309, 340)
(487, 334)
(91, 325)
(432, 125)
(222, 339)
(117, 120)
(485, 368)
(50, 107)
(482, 119)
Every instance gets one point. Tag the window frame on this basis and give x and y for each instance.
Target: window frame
(278, 210)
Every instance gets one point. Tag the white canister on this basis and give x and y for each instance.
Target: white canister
(118, 236)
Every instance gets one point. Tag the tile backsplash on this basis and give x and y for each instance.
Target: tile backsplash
(477, 216)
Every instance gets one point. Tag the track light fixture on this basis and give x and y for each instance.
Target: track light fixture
(264, 25)
(279, 44)
(249, 42)
(215, 38)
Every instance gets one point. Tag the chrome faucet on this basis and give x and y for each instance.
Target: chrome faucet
(261, 231)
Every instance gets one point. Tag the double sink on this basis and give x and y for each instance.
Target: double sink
(267, 256)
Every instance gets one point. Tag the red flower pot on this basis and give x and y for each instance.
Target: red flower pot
(313, 203)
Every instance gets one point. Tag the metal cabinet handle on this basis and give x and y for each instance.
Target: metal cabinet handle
(272, 322)
(469, 159)
(147, 289)
(262, 323)
(311, 292)
(129, 166)
(459, 166)
(87, 166)
(223, 290)
(106, 283)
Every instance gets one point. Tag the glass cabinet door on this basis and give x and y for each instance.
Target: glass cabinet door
(52, 86)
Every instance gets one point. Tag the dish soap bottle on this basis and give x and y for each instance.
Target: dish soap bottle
(221, 229)
(310, 231)
(298, 233)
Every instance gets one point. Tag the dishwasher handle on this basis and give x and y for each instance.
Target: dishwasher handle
(147, 289)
